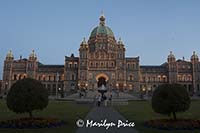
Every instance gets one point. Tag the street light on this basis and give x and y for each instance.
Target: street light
(59, 90)
(6, 87)
(117, 85)
(142, 92)
(148, 91)
(125, 87)
(86, 85)
(130, 87)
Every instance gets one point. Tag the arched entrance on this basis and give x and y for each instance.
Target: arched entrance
(101, 79)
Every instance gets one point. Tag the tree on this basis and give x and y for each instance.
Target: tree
(27, 95)
(170, 98)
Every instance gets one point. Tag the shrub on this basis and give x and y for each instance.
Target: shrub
(170, 98)
(27, 95)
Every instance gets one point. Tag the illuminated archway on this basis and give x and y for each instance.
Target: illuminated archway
(102, 75)
(101, 79)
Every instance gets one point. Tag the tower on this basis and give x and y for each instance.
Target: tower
(172, 68)
(32, 65)
(71, 72)
(102, 54)
(195, 61)
(83, 64)
(121, 64)
(7, 71)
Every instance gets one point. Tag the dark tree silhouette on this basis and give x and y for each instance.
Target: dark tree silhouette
(170, 98)
(27, 95)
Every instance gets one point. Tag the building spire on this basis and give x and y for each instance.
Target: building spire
(171, 55)
(32, 56)
(102, 19)
(194, 56)
(120, 40)
(84, 41)
(102, 14)
(9, 55)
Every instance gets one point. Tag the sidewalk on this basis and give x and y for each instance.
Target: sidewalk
(102, 113)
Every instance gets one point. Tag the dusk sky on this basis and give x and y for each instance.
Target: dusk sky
(55, 28)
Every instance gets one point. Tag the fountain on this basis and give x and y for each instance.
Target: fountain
(102, 89)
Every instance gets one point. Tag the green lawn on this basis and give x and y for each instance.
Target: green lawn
(140, 111)
(64, 110)
(137, 111)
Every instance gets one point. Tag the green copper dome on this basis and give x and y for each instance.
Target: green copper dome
(102, 29)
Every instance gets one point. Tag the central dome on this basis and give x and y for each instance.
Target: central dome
(102, 29)
(102, 38)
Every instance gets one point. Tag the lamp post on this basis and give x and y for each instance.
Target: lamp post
(6, 87)
(125, 87)
(57, 75)
(78, 86)
(148, 91)
(143, 92)
(59, 90)
(86, 85)
(117, 86)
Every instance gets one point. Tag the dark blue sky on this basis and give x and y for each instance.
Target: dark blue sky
(55, 28)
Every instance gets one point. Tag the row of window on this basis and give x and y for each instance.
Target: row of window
(120, 76)
(120, 55)
(184, 67)
(19, 76)
(102, 55)
(154, 78)
(152, 87)
(50, 77)
(102, 64)
(184, 77)
(174, 66)
(83, 55)
(19, 65)
(45, 77)
(53, 88)
(72, 65)
(72, 77)
(131, 66)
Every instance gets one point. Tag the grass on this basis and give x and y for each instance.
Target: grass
(63, 110)
(137, 111)
(140, 111)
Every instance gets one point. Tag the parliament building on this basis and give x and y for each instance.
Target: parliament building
(102, 61)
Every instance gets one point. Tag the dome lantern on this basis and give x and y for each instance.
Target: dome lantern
(120, 41)
(33, 56)
(84, 41)
(101, 29)
(9, 55)
(171, 57)
(194, 56)
(102, 20)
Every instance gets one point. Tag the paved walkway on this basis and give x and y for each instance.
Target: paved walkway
(101, 113)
